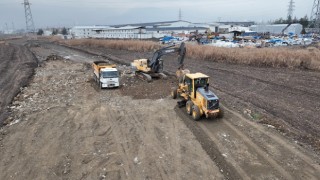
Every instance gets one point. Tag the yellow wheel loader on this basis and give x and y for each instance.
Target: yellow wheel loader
(197, 98)
(147, 69)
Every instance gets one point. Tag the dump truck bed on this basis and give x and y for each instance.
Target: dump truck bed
(97, 65)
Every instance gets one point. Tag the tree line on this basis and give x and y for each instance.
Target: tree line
(55, 31)
(304, 21)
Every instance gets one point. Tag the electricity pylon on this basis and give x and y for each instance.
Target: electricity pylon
(315, 15)
(29, 20)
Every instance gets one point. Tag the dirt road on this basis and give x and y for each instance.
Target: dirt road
(64, 127)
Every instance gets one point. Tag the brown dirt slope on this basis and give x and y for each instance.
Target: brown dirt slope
(16, 68)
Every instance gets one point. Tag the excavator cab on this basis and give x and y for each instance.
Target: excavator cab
(147, 69)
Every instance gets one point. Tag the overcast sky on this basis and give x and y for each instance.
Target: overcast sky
(68, 13)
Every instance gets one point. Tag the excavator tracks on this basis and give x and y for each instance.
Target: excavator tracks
(144, 76)
(149, 77)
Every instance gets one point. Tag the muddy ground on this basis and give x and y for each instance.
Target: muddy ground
(62, 126)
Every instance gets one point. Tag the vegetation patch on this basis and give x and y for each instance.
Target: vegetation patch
(305, 58)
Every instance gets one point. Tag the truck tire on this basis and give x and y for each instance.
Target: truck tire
(195, 113)
(174, 93)
(100, 85)
(189, 107)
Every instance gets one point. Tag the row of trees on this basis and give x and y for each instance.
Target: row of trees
(55, 31)
(304, 21)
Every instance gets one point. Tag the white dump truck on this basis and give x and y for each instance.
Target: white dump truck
(105, 74)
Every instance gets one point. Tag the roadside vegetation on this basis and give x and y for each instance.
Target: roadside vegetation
(307, 58)
(130, 45)
(295, 57)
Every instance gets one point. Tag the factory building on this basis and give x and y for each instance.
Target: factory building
(126, 32)
(141, 30)
(277, 28)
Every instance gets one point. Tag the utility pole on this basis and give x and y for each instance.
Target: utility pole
(290, 11)
(7, 28)
(13, 28)
(29, 20)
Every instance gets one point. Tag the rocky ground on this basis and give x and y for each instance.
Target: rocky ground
(62, 126)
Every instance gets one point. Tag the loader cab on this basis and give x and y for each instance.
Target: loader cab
(195, 81)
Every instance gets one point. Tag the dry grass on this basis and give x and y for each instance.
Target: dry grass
(270, 57)
(131, 45)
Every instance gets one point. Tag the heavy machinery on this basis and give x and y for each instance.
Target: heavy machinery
(153, 68)
(199, 100)
(105, 74)
(284, 29)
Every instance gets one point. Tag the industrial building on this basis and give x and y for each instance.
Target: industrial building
(141, 30)
(169, 28)
(277, 28)
(126, 32)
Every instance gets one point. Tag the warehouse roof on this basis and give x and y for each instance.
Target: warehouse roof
(150, 23)
(176, 28)
(96, 28)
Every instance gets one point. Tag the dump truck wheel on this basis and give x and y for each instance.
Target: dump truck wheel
(174, 93)
(100, 85)
(195, 113)
(189, 107)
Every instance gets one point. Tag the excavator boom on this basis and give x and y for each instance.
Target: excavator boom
(155, 63)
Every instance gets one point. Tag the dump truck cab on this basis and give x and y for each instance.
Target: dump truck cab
(109, 77)
(198, 99)
(105, 74)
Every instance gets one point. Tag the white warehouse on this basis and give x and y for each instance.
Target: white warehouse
(126, 32)
(277, 28)
(141, 30)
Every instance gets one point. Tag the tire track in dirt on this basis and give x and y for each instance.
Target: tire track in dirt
(285, 151)
(258, 150)
(292, 148)
(210, 147)
(275, 164)
(312, 94)
(277, 113)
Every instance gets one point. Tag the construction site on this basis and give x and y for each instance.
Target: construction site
(137, 109)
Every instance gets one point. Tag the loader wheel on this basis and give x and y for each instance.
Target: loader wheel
(189, 107)
(221, 113)
(174, 93)
(195, 113)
